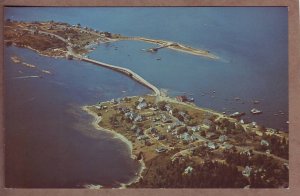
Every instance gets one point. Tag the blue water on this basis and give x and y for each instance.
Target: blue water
(50, 142)
(251, 43)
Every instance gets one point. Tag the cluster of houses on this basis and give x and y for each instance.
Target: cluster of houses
(169, 124)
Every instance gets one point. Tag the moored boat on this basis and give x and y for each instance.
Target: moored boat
(255, 111)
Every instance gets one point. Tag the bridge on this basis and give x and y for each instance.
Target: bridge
(126, 72)
(122, 70)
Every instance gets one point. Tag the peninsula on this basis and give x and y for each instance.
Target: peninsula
(185, 146)
(178, 144)
(53, 39)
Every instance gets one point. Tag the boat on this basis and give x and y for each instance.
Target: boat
(237, 114)
(255, 111)
(256, 102)
(190, 99)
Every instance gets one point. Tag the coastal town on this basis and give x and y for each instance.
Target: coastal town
(177, 140)
(178, 144)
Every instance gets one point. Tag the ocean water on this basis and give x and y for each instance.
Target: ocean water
(253, 65)
(50, 141)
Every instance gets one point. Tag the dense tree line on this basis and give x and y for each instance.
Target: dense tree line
(278, 146)
(208, 175)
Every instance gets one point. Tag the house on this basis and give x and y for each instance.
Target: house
(188, 170)
(156, 119)
(259, 133)
(141, 99)
(160, 137)
(195, 128)
(160, 149)
(168, 107)
(105, 34)
(184, 98)
(174, 125)
(124, 109)
(166, 119)
(271, 131)
(130, 115)
(141, 105)
(155, 108)
(138, 118)
(211, 146)
(210, 135)
(181, 98)
(223, 138)
(227, 146)
(183, 114)
(113, 101)
(185, 136)
(247, 152)
(134, 128)
(247, 171)
(170, 128)
(153, 130)
(264, 143)
(207, 122)
(139, 132)
(254, 124)
(142, 137)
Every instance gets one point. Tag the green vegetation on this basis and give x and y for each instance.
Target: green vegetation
(203, 149)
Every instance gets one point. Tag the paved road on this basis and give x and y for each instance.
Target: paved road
(155, 140)
(125, 71)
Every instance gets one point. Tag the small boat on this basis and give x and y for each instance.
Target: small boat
(237, 114)
(158, 59)
(255, 111)
(256, 102)
(237, 98)
(190, 99)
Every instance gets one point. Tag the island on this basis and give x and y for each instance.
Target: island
(178, 144)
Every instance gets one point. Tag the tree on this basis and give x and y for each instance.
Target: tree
(239, 127)
(175, 111)
(203, 134)
(212, 127)
(182, 130)
(161, 105)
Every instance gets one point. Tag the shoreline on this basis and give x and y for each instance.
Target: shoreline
(177, 47)
(153, 162)
(96, 125)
